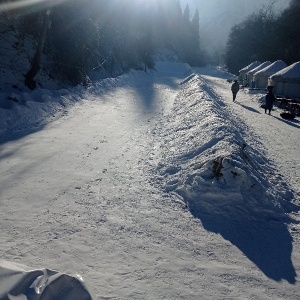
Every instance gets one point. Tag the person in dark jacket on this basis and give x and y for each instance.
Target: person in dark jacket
(270, 98)
(235, 88)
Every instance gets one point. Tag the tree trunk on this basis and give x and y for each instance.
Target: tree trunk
(35, 67)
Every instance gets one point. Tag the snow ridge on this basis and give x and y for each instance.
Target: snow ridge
(208, 163)
(230, 186)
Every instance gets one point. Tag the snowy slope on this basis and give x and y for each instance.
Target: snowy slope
(151, 186)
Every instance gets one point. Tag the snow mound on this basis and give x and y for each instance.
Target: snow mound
(31, 110)
(218, 72)
(187, 79)
(209, 167)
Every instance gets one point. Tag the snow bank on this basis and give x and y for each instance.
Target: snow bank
(30, 110)
(22, 109)
(218, 72)
(209, 167)
(226, 184)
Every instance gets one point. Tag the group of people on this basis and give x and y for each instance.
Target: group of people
(270, 98)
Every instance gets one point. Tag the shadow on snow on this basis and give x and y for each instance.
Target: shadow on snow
(248, 107)
(295, 123)
(267, 243)
(26, 120)
(243, 207)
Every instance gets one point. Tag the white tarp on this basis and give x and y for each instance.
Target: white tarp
(286, 82)
(24, 283)
(261, 76)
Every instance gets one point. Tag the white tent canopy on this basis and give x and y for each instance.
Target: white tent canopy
(286, 82)
(258, 68)
(243, 72)
(261, 76)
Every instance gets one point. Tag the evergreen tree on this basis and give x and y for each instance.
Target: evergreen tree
(186, 14)
(251, 40)
(196, 26)
(265, 36)
(287, 40)
(73, 36)
(112, 34)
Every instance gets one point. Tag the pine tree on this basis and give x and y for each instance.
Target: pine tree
(195, 26)
(186, 14)
(36, 63)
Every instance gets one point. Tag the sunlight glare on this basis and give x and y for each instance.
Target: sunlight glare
(26, 3)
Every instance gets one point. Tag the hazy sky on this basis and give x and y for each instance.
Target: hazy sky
(218, 16)
(211, 8)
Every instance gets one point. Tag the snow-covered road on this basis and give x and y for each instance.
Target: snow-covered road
(80, 196)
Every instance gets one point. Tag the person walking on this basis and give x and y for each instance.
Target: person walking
(270, 98)
(235, 88)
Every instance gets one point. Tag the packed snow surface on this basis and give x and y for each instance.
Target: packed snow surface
(153, 186)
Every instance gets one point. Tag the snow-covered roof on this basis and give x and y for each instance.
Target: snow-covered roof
(290, 73)
(260, 67)
(251, 66)
(272, 68)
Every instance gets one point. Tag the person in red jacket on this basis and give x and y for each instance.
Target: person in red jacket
(235, 88)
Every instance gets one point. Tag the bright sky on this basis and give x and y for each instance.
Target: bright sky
(211, 8)
(218, 16)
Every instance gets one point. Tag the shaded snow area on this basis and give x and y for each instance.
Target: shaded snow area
(153, 186)
(17, 52)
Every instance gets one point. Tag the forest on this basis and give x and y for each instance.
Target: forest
(265, 36)
(116, 35)
(71, 38)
